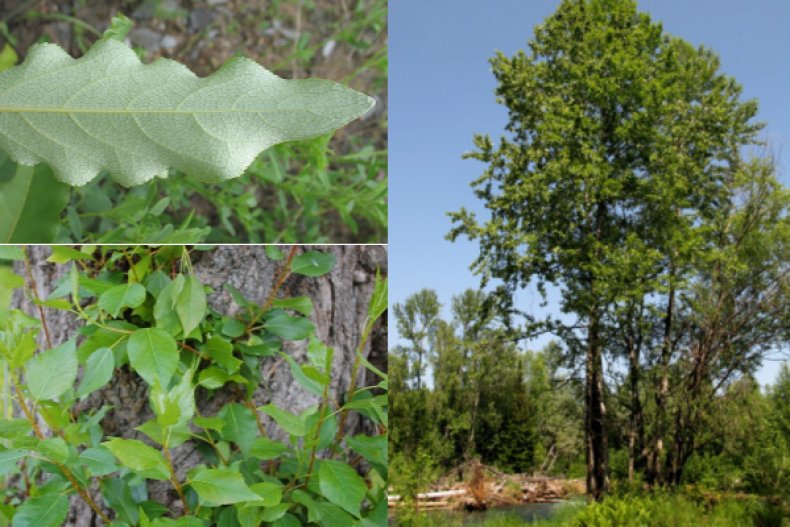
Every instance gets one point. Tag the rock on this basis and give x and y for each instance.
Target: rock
(200, 18)
(147, 38)
(169, 42)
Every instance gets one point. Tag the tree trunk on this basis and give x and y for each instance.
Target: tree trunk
(595, 415)
(340, 301)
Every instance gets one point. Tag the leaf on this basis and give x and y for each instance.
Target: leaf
(290, 328)
(191, 305)
(51, 373)
(10, 252)
(270, 493)
(309, 384)
(63, 254)
(264, 448)
(139, 457)
(120, 296)
(313, 263)
(49, 510)
(373, 449)
(222, 486)
(240, 425)
(31, 200)
(301, 304)
(153, 354)
(9, 460)
(98, 460)
(221, 352)
(378, 302)
(118, 495)
(340, 484)
(293, 424)
(98, 371)
(164, 307)
(108, 111)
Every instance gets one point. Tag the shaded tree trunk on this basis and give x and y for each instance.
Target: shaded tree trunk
(595, 414)
(340, 301)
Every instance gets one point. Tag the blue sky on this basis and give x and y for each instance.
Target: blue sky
(441, 93)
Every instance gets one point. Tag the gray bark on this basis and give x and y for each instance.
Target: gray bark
(340, 302)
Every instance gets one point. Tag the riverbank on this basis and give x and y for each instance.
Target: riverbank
(474, 487)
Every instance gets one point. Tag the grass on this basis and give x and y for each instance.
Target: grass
(654, 510)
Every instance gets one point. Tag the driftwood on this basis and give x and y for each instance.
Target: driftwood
(485, 487)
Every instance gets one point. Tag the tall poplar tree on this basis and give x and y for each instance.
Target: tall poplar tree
(619, 139)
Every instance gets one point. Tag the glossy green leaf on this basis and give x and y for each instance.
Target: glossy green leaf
(270, 493)
(313, 263)
(49, 510)
(9, 460)
(332, 515)
(378, 302)
(373, 449)
(98, 460)
(293, 424)
(165, 306)
(153, 354)
(191, 304)
(340, 484)
(271, 514)
(290, 328)
(221, 352)
(108, 111)
(118, 495)
(121, 296)
(51, 373)
(11, 252)
(98, 371)
(139, 457)
(31, 200)
(222, 486)
(264, 448)
(310, 384)
(301, 304)
(240, 425)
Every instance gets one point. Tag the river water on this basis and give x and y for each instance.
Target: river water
(528, 512)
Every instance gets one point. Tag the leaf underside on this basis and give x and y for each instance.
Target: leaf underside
(108, 111)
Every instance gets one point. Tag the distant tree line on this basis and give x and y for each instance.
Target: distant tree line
(462, 389)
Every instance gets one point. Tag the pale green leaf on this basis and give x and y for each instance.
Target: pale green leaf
(98, 371)
(139, 457)
(221, 352)
(121, 296)
(48, 510)
(290, 328)
(293, 424)
(98, 460)
(270, 493)
(222, 486)
(313, 263)
(264, 448)
(191, 304)
(31, 200)
(340, 484)
(301, 304)
(240, 425)
(153, 354)
(51, 373)
(108, 111)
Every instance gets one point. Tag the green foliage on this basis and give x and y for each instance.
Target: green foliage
(486, 399)
(622, 183)
(295, 191)
(136, 121)
(143, 309)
